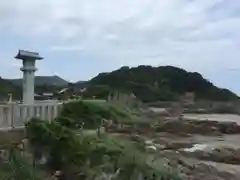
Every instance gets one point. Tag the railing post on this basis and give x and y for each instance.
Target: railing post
(10, 116)
(48, 112)
(55, 109)
(12, 109)
(38, 112)
(42, 116)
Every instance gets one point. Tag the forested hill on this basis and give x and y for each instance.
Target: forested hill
(43, 81)
(7, 87)
(162, 83)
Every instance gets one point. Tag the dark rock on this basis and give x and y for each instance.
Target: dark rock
(223, 155)
(198, 127)
(229, 127)
(207, 172)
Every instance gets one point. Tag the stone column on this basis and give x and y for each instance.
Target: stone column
(28, 59)
(28, 85)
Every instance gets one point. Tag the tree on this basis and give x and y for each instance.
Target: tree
(161, 83)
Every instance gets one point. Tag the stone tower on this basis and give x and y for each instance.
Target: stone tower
(28, 69)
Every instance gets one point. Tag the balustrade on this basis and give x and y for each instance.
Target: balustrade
(13, 115)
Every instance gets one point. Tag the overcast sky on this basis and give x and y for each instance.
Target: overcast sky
(81, 38)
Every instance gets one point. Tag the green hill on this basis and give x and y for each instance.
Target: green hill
(162, 83)
(43, 81)
(7, 87)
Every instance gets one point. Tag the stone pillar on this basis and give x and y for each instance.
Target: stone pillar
(28, 84)
(28, 69)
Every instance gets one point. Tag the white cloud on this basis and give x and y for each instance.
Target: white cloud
(68, 48)
(188, 33)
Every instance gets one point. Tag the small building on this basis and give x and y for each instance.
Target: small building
(45, 96)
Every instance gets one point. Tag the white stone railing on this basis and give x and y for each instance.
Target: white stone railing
(13, 115)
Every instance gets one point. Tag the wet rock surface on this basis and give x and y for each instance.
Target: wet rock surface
(197, 171)
(223, 155)
(198, 127)
(206, 172)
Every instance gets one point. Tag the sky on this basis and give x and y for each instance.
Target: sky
(81, 38)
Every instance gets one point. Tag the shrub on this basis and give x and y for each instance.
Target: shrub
(91, 113)
(88, 157)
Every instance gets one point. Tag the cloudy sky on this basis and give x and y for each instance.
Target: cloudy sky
(80, 38)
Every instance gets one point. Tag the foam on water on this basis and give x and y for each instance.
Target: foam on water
(196, 147)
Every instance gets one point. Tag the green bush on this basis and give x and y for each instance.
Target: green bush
(87, 157)
(91, 113)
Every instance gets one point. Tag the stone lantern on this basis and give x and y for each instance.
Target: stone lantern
(28, 60)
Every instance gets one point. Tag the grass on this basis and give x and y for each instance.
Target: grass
(17, 167)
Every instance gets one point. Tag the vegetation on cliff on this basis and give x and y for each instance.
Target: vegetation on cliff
(79, 155)
(162, 83)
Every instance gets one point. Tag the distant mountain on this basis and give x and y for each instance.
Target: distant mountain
(162, 83)
(43, 81)
(148, 83)
(80, 82)
(7, 87)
